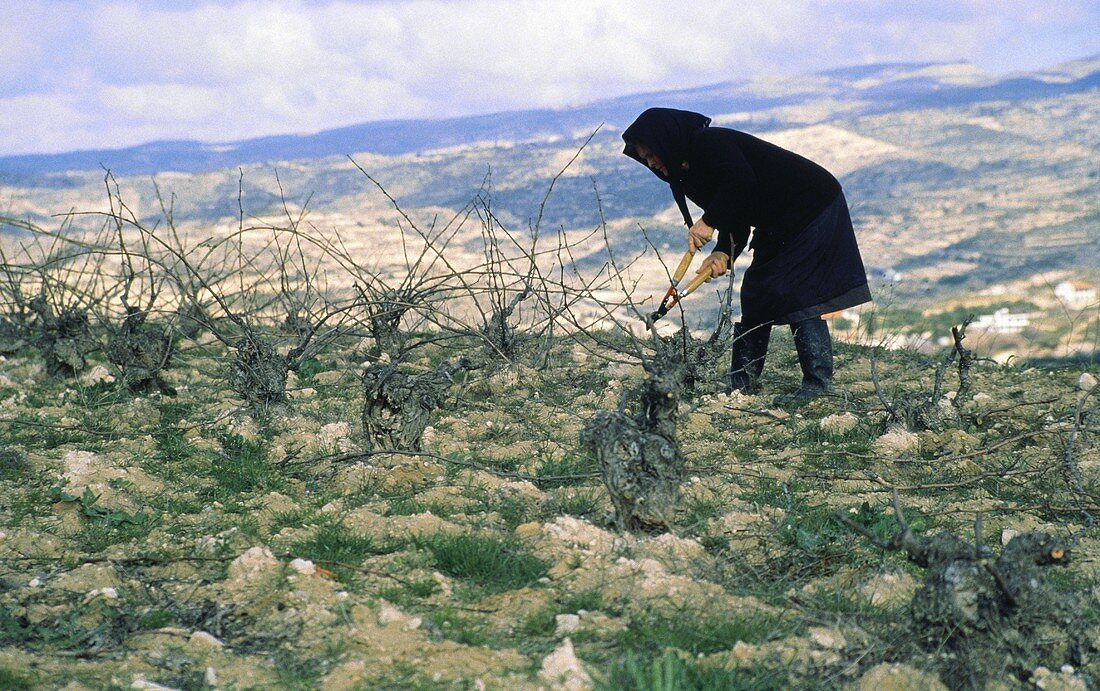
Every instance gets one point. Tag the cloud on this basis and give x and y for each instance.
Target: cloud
(129, 70)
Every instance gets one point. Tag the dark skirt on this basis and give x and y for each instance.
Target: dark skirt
(816, 271)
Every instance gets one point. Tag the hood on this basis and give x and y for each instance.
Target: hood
(667, 132)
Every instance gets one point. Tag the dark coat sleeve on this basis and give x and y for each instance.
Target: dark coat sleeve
(732, 179)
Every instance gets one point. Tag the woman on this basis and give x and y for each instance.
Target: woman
(805, 259)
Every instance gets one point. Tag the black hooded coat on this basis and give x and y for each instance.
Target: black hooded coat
(805, 259)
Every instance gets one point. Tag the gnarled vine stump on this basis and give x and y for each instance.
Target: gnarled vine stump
(398, 405)
(140, 352)
(259, 372)
(638, 457)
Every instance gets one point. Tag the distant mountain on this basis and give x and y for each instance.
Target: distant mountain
(768, 103)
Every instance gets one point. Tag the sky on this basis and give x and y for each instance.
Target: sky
(92, 74)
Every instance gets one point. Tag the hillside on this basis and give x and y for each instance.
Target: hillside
(959, 183)
(190, 542)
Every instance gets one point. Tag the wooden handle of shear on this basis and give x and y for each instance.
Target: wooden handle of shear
(699, 280)
(685, 262)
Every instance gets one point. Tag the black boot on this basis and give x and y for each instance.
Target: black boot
(750, 345)
(815, 356)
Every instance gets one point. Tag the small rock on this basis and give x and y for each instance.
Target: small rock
(890, 589)
(140, 682)
(211, 677)
(204, 640)
(1086, 381)
(390, 614)
(579, 354)
(566, 623)
(1061, 680)
(840, 423)
(528, 530)
(896, 677)
(107, 593)
(336, 435)
(303, 566)
(827, 638)
(743, 652)
(1006, 536)
(562, 671)
(896, 442)
(256, 564)
(98, 374)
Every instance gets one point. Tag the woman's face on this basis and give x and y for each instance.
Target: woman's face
(650, 158)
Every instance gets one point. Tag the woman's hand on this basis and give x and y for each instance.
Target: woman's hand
(699, 235)
(716, 264)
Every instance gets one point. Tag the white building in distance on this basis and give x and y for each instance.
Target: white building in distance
(1075, 293)
(1003, 322)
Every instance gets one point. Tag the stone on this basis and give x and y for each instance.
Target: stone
(98, 374)
(890, 589)
(107, 593)
(1086, 381)
(566, 624)
(390, 614)
(840, 423)
(823, 637)
(1062, 680)
(562, 671)
(898, 677)
(896, 442)
(202, 640)
(255, 565)
(140, 682)
(303, 566)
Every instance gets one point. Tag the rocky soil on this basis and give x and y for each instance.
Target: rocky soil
(186, 541)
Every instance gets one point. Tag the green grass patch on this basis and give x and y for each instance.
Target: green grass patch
(671, 672)
(589, 600)
(340, 550)
(243, 468)
(105, 526)
(493, 563)
(13, 463)
(703, 632)
(295, 671)
(697, 511)
(17, 680)
(568, 470)
(45, 432)
(515, 511)
(586, 502)
(768, 491)
(461, 627)
(410, 591)
(295, 518)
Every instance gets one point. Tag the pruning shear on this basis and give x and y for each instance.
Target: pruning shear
(673, 295)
